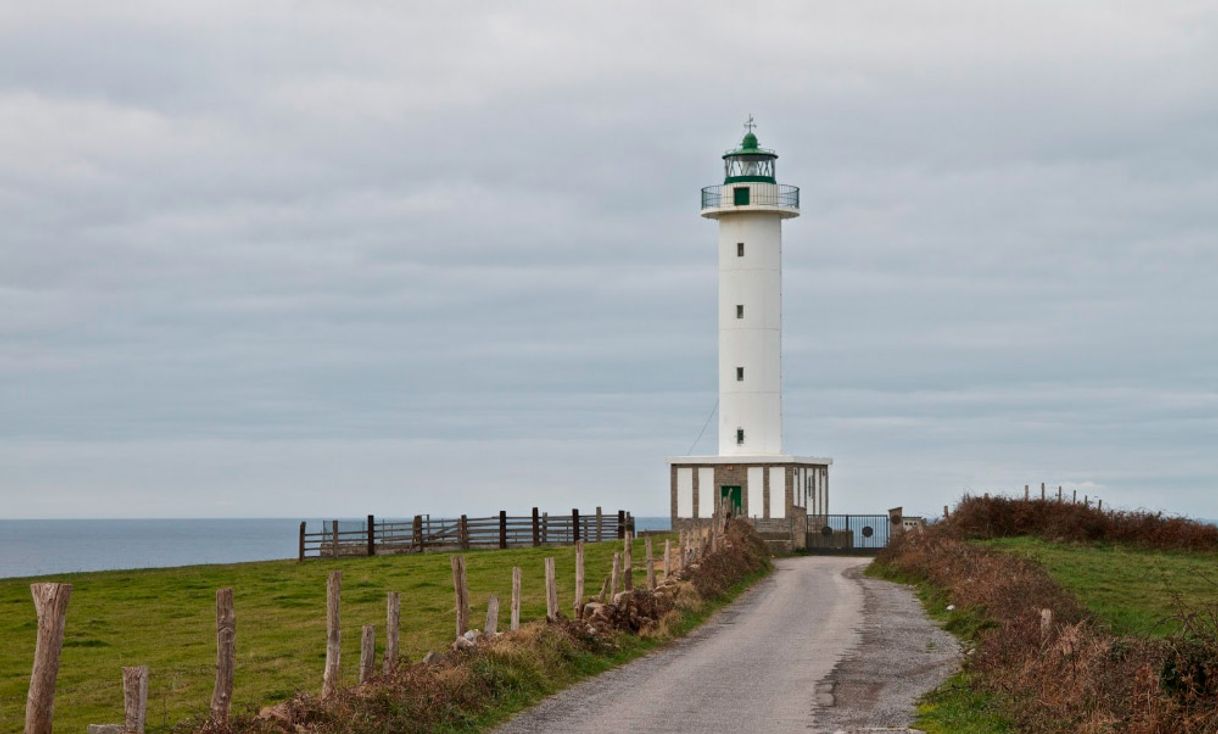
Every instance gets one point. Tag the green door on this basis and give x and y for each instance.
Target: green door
(740, 196)
(731, 495)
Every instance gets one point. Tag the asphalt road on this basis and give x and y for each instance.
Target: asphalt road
(815, 647)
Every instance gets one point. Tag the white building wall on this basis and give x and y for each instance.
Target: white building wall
(753, 342)
(707, 491)
(756, 490)
(778, 494)
(685, 492)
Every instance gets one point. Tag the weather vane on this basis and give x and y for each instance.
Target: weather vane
(749, 125)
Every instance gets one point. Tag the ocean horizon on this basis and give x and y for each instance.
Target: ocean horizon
(45, 547)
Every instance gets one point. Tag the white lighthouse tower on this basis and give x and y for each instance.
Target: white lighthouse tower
(751, 472)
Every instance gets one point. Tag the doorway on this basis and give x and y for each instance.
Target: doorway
(730, 494)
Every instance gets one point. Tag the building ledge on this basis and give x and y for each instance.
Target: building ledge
(760, 459)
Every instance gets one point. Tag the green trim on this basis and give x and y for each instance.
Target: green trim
(750, 179)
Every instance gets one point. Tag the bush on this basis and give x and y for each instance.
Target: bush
(1002, 517)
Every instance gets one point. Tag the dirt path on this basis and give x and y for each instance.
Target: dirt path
(814, 648)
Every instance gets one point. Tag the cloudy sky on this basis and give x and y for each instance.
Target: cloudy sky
(315, 259)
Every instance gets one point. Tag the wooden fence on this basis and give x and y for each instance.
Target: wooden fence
(372, 537)
(51, 606)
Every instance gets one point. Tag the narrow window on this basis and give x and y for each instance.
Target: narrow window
(740, 310)
(739, 374)
(739, 436)
(739, 249)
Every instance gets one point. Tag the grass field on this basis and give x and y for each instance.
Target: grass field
(1132, 590)
(165, 618)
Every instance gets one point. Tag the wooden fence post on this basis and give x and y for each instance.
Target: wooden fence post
(371, 535)
(515, 623)
(393, 620)
(1059, 493)
(502, 529)
(944, 512)
(667, 556)
(416, 533)
(579, 578)
(1027, 493)
(651, 568)
(1042, 491)
(536, 527)
(575, 524)
(135, 698)
(461, 593)
(226, 656)
(545, 527)
(51, 605)
(551, 591)
(628, 561)
(615, 574)
(1099, 504)
(1074, 498)
(600, 524)
(621, 524)
(463, 532)
(604, 595)
(301, 547)
(492, 616)
(334, 648)
(367, 653)
(334, 536)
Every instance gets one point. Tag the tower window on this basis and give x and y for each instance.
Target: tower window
(740, 310)
(739, 249)
(739, 436)
(739, 374)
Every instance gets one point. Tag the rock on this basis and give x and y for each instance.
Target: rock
(106, 729)
(463, 643)
(472, 635)
(593, 608)
(432, 657)
(620, 598)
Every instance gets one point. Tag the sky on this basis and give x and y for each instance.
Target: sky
(312, 259)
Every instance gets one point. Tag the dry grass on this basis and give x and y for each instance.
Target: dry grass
(1074, 675)
(1003, 517)
(472, 689)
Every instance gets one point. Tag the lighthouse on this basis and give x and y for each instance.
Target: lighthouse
(752, 476)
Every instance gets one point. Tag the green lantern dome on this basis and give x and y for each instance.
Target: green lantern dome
(749, 162)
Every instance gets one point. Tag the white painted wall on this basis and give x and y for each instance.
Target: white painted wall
(756, 491)
(754, 342)
(685, 492)
(707, 491)
(778, 494)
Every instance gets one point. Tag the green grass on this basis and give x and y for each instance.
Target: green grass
(1130, 589)
(165, 618)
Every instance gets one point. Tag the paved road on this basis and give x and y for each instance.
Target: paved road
(813, 648)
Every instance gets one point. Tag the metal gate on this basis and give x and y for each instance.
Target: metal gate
(848, 533)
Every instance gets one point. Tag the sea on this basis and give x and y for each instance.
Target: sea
(43, 547)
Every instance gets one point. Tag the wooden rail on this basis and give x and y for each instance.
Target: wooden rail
(337, 538)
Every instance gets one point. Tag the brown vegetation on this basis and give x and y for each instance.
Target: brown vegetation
(1002, 517)
(1059, 670)
(470, 686)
